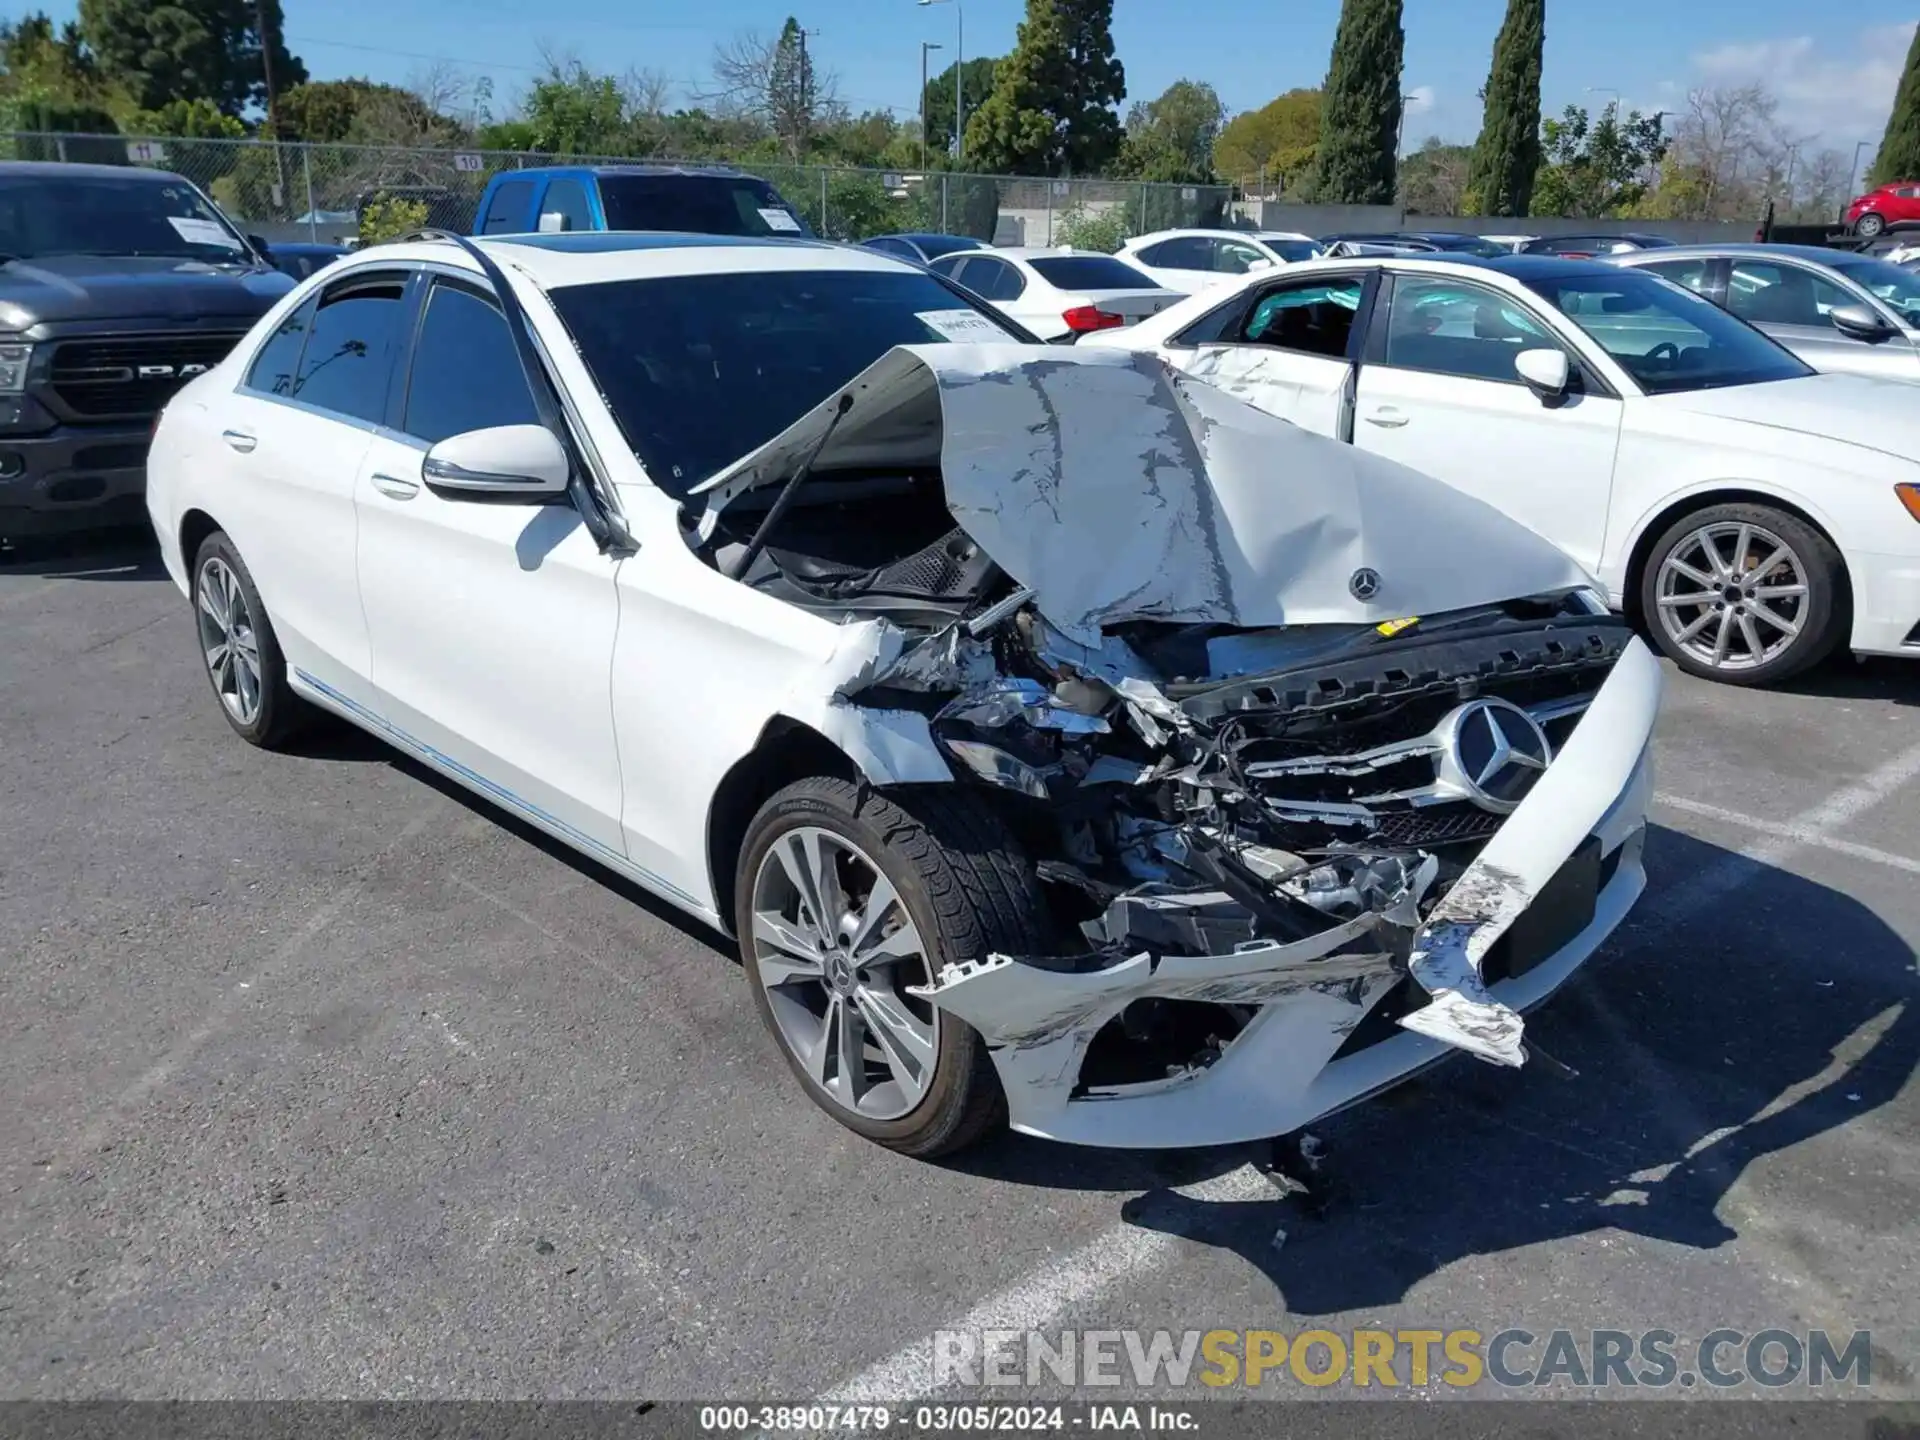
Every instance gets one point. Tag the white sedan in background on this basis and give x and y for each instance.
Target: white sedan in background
(1755, 514)
(1058, 294)
(1194, 260)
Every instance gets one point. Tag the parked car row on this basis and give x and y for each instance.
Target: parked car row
(1754, 514)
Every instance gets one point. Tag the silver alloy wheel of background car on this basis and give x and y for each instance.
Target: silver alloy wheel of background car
(1733, 595)
(227, 640)
(834, 949)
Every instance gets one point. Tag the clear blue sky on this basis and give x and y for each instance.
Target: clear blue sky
(1833, 67)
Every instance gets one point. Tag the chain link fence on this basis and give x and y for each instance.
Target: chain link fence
(308, 191)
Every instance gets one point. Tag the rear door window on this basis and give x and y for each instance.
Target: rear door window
(466, 372)
(507, 210)
(348, 360)
(1186, 252)
(278, 361)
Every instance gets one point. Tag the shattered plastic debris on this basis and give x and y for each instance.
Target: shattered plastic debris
(1006, 699)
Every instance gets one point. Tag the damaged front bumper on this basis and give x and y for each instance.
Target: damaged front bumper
(1309, 1047)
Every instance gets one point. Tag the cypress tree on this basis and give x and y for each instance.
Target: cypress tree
(1899, 157)
(1360, 108)
(1507, 154)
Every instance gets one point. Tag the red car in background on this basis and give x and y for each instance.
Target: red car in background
(1895, 203)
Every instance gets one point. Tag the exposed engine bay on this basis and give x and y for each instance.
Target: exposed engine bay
(1243, 797)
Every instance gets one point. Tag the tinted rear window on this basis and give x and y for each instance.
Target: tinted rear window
(702, 204)
(1091, 272)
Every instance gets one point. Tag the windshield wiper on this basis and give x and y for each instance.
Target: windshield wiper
(777, 511)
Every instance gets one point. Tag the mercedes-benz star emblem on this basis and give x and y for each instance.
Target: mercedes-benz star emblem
(1365, 583)
(1495, 753)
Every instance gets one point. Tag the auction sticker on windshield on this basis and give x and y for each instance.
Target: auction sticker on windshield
(202, 232)
(963, 327)
(778, 219)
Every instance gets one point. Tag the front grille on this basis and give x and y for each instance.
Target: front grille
(1431, 825)
(103, 377)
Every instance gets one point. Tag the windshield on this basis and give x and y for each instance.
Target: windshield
(1293, 251)
(67, 214)
(1091, 272)
(702, 369)
(1893, 285)
(700, 204)
(1465, 245)
(1668, 339)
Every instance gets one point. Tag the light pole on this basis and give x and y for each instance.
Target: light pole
(925, 46)
(1853, 175)
(959, 68)
(1400, 130)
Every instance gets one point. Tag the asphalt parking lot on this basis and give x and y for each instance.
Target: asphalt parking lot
(323, 1079)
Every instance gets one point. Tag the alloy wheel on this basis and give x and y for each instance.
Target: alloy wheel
(227, 640)
(835, 951)
(1732, 595)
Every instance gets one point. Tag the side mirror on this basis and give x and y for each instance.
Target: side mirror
(505, 462)
(1545, 371)
(259, 242)
(1859, 322)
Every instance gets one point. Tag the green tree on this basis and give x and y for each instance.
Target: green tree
(1899, 157)
(1595, 168)
(1051, 110)
(388, 217)
(1105, 229)
(1433, 179)
(976, 82)
(1172, 139)
(1360, 106)
(331, 112)
(790, 90)
(190, 49)
(1507, 155)
(572, 111)
(1274, 143)
(50, 81)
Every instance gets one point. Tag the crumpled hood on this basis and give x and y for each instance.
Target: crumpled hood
(1118, 489)
(1875, 412)
(133, 287)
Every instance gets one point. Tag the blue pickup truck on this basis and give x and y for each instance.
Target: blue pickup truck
(634, 197)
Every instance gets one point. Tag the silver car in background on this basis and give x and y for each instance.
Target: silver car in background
(1854, 314)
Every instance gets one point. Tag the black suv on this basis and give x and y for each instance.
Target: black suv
(117, 285)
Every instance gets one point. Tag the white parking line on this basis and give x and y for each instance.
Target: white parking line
(1124, 1252)
(1810, 838)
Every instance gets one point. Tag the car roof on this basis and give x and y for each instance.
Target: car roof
(916, 236)
(46, 169)
(1818, 254)
(1523, 268)
(1051, 252)
(587, 257)
(1220, 232)
(712, 171)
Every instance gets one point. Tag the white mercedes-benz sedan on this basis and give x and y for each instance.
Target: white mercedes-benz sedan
(1062, 740)
(1755, 515)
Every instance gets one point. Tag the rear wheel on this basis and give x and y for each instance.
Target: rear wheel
(848, 900)
(1744, 594)
(239, 648)
(1869, 225)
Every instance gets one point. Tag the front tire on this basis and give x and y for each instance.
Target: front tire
(846, 899)
(1744, 594)
(1869, 225)
(241, 653)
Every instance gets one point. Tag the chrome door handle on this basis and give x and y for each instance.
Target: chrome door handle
(1387, 418)
(240, 440)
(394, 488)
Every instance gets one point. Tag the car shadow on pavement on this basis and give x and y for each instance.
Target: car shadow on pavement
(1876, 677)
(97, 555)
(1703, 1042)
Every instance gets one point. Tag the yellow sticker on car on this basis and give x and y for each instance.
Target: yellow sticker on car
(1390, 628)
